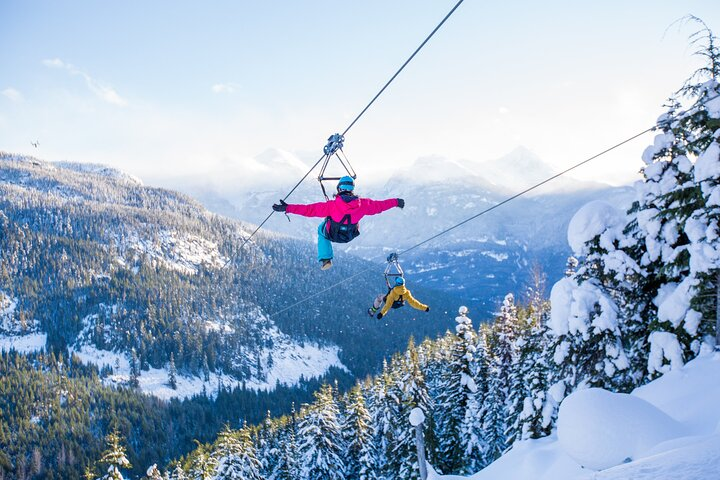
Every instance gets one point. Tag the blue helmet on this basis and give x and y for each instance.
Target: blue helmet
(399, 281)
(346, 184)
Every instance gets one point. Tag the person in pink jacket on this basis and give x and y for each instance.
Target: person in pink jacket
(342, 215)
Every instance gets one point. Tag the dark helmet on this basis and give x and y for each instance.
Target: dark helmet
(346, 184)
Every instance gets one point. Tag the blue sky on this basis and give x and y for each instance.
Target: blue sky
(173, 88)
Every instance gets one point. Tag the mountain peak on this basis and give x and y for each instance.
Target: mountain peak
(434, 168)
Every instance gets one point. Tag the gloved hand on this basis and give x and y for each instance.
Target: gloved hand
(280, 207)
(427, 309)
(401, 203)
(379, 315)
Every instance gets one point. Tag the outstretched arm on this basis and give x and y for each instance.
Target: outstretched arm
(373, 207)
(414, 303)
(320, 209)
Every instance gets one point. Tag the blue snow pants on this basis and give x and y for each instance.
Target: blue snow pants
(325, 250)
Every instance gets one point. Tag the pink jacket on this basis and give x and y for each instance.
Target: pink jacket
(338, 208)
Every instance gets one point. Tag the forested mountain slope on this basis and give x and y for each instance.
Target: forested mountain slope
(90, 256)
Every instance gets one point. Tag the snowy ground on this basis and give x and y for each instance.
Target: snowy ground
(23, 343)
(289, 363)
(666, 430)
(13, 335)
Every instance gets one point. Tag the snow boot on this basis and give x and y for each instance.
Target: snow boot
(326, 263)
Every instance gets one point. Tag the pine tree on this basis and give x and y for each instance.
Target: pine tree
(172, 372)
(251, 466)
(227, 455)
(153, 473)
(675, 220)
(178, 473)
(206, 369)
(114, 457)
(134, 370)
(203, 465)
(501, 356)
(530, 409)
(383, 406)
(358, 436)
(410, 388)
(287, 466)
(320, 440)
(459, 445)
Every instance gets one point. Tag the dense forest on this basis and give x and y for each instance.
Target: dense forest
(55, 413)
(91, 257)
(144, 268)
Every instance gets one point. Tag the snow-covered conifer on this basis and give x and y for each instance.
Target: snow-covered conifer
(114, 457)
(412, 392)
(358, 436)
(178, 473)
(530, 412)
(501, 354)
(227, 455)
(250, 465)
(383, 406)
(203, 465)
(172, 372)
(459, 447)
(320, 440)
(287, 466)
(153, 473)
(677, 218)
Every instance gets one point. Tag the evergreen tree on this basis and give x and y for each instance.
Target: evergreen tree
(134, 370)
(172, 372)
(228, 455)
(203, 465)
(153, 473)
(288, 466)
(410, 388)
(459, 445)
(675, 222)
(251, 466)
(358, 436)
(502, 354)
(114, 457)
(320, 440)
(530, 410)
(178, 473)
(384, 406)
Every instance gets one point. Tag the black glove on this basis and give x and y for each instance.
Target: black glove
(401, 203)
(379, 315)
(427, 309)
(280, 207)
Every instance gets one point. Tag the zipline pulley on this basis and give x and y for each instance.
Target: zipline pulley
(334, 148)
(393, 270)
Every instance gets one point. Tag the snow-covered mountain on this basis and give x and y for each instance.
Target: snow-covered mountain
(125, 276)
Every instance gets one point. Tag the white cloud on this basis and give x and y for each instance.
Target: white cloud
(503, 110)
(54, 63)
(103, 92)
(13, 94)
(225, 87)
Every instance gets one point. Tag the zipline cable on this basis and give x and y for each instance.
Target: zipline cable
(507, 200)
(232, 257)
(537, 185)
(404, 65)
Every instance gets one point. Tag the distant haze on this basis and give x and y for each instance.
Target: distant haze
(201, 90)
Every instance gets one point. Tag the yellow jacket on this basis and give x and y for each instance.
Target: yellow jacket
(396, 293)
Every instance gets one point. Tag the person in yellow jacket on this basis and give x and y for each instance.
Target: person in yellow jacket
(396, 298)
